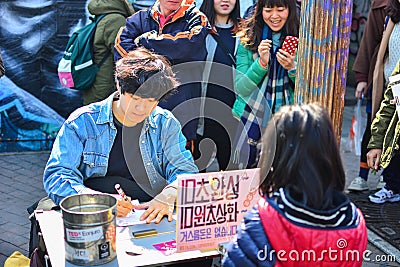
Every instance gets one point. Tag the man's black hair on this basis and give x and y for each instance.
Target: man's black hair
(145, 74)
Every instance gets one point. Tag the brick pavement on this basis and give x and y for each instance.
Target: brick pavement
(21, 185)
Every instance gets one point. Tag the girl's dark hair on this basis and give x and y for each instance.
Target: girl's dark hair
(145, 74)
(305, 158)
(252, 28)
(393, 10)
(207, 7)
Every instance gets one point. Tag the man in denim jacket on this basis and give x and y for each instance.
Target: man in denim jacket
(124, 139)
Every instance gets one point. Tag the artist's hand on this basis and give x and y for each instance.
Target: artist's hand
(263, 50)
(123, 206)
(360, 89)
(374, 158)
(285, 59)
(161, 205)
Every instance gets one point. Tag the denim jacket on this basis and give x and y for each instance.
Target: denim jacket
(83, 144)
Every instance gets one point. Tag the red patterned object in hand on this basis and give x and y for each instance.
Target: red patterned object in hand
(290, 44)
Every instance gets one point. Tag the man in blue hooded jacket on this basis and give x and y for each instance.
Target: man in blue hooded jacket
(177, 30)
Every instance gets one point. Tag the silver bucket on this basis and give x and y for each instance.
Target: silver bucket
(89, 228)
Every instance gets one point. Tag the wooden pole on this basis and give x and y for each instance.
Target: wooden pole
(325, 27)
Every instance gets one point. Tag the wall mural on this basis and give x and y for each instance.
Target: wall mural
(33, 35)
(33, 105)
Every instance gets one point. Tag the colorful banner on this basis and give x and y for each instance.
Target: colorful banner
(211, 205)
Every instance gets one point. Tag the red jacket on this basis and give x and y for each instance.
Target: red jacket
(297, 245)
(280, 231)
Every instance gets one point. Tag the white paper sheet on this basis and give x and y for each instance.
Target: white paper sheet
(133, 218)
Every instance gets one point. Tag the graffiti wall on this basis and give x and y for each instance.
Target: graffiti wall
(33, 34)
(33, 105)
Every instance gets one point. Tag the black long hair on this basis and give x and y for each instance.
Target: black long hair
(207, 7)
(252, 28)
(393, 10)
(305, 158)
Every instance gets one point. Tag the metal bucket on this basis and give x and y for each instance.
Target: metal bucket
(89, 228)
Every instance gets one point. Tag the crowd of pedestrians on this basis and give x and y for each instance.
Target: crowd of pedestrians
(374, 65)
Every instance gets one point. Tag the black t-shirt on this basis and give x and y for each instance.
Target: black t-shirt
(125, 161)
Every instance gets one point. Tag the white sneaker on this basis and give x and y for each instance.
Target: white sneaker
(358, 184)
(383, 196)
(381, 184)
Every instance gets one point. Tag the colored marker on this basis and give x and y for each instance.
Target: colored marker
(121, 192)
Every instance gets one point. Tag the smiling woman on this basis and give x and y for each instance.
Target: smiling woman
(265, 73)
(275, 17)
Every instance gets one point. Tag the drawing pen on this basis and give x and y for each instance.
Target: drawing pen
(121, 192)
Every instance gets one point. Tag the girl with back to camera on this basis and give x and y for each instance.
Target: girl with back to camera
(218, 96)
(303, 211)
(265, 73)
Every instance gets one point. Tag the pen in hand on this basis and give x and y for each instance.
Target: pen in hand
(122, 194)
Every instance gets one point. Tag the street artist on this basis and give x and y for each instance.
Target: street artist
(125, 139)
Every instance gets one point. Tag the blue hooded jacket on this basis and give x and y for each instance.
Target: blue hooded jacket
(181, 41)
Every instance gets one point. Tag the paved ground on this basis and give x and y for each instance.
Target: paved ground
(21, 185)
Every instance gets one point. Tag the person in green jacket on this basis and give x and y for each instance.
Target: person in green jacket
(104, 40)
(259, 51)
(384, 150)
(265, 73)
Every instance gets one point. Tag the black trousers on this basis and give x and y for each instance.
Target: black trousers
(391, 175)
(222, 137)
(365, 140)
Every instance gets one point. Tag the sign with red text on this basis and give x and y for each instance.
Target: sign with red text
(211, 205)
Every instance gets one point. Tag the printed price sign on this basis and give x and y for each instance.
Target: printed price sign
(211, 205)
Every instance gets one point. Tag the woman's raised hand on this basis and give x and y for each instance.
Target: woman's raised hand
(263, 50)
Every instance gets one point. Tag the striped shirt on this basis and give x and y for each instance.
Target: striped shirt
(342, 213)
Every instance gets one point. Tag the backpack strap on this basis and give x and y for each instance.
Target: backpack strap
(98, 20)
(386, 22)
(224, 48)
(104, 58)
